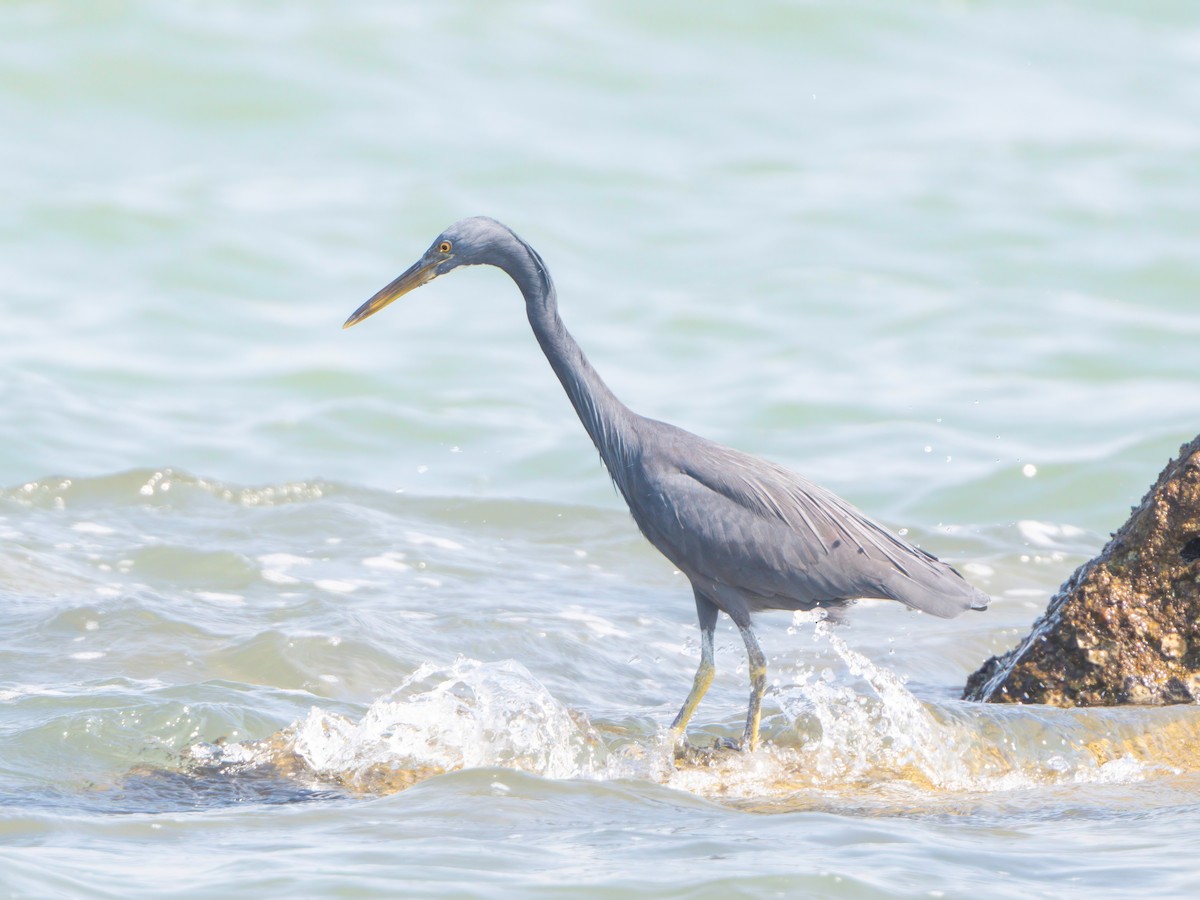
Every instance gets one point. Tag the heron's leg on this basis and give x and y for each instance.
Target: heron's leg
(758, 686)
(706, 611)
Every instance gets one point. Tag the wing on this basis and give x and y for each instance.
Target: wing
(742, 522)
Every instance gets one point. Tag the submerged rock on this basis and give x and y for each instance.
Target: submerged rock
(1125, 628)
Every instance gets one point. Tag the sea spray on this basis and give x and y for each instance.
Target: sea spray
(472, 714)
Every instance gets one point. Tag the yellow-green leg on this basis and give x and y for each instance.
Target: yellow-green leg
(706, 611)
(758, 686)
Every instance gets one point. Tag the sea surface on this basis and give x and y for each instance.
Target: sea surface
(287, 610)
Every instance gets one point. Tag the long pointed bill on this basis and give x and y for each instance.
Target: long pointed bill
(423, 271)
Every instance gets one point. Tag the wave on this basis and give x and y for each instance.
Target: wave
(839, 745)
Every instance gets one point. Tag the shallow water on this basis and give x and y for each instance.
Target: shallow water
(291, 610)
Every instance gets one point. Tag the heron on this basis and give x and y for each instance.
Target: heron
(749, 535)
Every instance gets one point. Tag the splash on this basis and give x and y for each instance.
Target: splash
(468, 715)
(442, 718)
(866, 740)
(865, 736)
(847, 737)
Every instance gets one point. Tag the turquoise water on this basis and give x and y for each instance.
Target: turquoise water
(259, 573)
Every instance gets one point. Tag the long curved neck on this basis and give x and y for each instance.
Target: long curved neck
(606, 419)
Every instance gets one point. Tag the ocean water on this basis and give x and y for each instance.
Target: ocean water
(292, 611)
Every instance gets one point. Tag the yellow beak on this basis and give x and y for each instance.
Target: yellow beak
(421, 272)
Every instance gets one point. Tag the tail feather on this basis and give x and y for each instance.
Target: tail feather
(941, 592)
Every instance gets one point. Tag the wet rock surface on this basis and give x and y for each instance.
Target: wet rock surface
(1125, 628)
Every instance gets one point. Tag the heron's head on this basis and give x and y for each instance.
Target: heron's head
(468, 242)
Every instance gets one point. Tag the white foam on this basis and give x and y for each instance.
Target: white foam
(338, 585)
(92, 528)
(467, 715)
(275, 566)
(1047, 534)
(418, 538)
(393, 562)
(221, 597)
(472, 714)
(283, 560)
(595, 623)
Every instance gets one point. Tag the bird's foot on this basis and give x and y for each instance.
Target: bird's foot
(689, 753)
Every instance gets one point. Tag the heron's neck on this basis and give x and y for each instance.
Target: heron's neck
(606, 419)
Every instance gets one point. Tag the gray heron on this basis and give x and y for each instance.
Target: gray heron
(749, 534)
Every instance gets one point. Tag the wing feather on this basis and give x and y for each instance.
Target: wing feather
(757, 527)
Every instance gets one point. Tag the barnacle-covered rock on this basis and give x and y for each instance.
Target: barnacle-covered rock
(1125, 628)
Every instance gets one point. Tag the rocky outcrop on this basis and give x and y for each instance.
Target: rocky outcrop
(1125, 628)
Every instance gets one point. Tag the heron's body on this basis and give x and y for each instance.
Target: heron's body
(749, 535)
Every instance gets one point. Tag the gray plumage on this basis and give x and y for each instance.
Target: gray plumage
(749, 534)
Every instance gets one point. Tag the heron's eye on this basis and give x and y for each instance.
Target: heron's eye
(444, 247)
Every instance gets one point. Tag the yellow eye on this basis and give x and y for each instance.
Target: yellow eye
(444, 247)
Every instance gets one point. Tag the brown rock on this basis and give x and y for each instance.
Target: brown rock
(1125, 628)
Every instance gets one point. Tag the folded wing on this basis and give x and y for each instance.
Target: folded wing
(750, 525)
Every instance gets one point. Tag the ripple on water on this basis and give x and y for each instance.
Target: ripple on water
(271, 593)
(140, 487)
